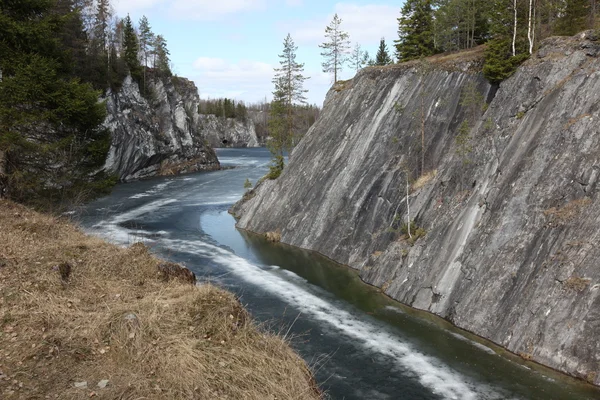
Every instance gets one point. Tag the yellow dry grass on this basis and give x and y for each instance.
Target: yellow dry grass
(568, 212)
(423, 180)
(114, 319)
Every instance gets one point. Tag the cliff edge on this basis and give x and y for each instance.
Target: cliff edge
(507, 201)
(157, 134)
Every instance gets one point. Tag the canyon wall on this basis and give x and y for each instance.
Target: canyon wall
(506, 201)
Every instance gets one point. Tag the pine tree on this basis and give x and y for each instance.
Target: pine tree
(415, 31)
(383, 57)
(335, 49)
(289, 90)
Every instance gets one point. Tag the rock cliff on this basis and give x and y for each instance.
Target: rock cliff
(228, 132)
(510, 209)
(157, 134)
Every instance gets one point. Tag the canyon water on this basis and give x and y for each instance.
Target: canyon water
(359, 343)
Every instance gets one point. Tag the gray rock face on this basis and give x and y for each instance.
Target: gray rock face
(511, 251)
(228, 132)
(158, 136)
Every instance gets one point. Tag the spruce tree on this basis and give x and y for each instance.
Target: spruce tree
(289, 90)
(335, 48)
(146, 41)
(161, 55)
(131, 48)
(51, 139)
(508, 47)
(415, 31)
(383, 57)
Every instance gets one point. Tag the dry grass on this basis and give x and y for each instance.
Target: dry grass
(274, 237)
(568, 212)
(115, 319)
(423, 180)
(577, 283)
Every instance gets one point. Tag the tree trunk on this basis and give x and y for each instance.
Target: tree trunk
(514, 41)
(529, 25)
(3, 177)
(422, 133)
(408, 207)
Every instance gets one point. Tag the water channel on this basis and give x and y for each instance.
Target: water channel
(361, 344)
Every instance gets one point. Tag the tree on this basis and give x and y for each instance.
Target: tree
(161, 56)
(102, 23)
(358, 58)
(415, 31)
(131, 48)
(146, 41)
(508, 47)
(289, 91)
(460, 24)
(51, 139)
(335, 48)
(366, 60)
(383, 57)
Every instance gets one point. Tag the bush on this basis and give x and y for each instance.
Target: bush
(276, 167)
(415, 232)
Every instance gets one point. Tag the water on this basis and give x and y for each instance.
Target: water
(361, 344)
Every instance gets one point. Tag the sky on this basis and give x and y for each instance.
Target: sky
(230, 47)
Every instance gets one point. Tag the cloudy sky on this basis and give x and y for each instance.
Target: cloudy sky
(230, 47)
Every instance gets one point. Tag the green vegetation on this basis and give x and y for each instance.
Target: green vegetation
(511, 28)
(225, 108)
(412, 232)
(58, 56)
(335, 48)
(276, 167)
(289, 91)
(383, 57)
(247, 184)
(415, 30)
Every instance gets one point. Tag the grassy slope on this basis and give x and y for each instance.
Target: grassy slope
(115, 319)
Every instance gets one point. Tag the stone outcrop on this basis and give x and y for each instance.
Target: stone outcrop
(510, 213)
(157, 134)
(228, 132)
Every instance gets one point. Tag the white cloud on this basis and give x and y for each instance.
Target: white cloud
(211, 9)
(245, 80)
(198, 10)
(365, 24)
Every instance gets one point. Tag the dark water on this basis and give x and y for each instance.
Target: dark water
(361, 344)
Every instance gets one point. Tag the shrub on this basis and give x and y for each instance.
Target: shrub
(415, 232)
(276, 167)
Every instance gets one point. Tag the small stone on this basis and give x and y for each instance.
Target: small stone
(103, 383)
(81, 385)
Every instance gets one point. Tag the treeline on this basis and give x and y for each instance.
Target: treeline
(56, 59)
(304, 116)
(113, 47)
(225, 108)
(512, 28)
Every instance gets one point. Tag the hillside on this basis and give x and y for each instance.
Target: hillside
(81, 318)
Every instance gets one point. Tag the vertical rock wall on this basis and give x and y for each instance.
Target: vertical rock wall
(157, 134)
(511, 214)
